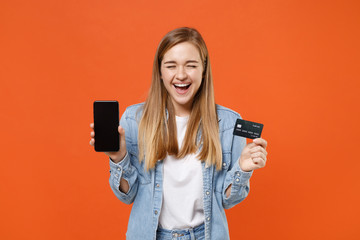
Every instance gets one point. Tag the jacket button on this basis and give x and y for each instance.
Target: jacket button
(156, 212)
(208, 218)
(157, 185)
(207, 192)
(118, 169)
(224, 164)
(238, 174)
(116, 175)
(237, 180)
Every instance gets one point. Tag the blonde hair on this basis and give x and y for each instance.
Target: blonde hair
(157, 128)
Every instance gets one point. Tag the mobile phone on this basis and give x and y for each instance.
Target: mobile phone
(106, 122)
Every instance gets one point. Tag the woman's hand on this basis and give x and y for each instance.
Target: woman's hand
(115, 156)
(253, 155)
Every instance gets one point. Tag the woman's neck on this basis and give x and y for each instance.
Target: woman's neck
(182, 110)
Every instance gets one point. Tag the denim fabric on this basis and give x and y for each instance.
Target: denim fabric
(145, 192)
(197, 233)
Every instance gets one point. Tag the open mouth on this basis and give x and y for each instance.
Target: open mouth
(182, 86)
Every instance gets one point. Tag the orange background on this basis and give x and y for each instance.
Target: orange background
(291, 65)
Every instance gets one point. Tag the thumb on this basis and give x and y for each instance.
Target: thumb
(122, 138)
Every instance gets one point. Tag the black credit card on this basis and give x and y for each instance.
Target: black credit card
(248, 129)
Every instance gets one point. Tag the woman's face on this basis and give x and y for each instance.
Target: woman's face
(181, 73)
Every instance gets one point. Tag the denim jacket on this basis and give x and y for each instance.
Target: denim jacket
(145, 187)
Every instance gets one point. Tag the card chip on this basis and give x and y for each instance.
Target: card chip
(247, 129)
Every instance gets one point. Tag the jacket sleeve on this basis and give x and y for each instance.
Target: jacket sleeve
(124, 169)
(238, 179)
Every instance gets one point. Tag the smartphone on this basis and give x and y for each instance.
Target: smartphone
(106, 122)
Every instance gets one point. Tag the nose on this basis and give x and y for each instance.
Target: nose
(181, 73)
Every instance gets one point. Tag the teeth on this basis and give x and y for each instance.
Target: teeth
(181, 85)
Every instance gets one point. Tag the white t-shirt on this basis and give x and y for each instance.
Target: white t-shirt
(182, 205)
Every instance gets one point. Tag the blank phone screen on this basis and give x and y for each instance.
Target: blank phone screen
(106, 122)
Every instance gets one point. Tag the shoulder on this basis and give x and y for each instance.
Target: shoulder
(227, 117)
(129, 121)
(134, 111)
(226, 112)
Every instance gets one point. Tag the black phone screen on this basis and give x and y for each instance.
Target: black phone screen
(106, 122)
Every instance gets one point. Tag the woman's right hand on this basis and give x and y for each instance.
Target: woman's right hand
(115, 156)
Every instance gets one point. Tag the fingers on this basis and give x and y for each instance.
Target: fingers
(92, 140)
(92, 135)
(258, 149)
(122, 137)
(121, 130)
(115, 156)
(258, 158)
(259, 162)
(254, 155)
(260, 141)
(258, 153)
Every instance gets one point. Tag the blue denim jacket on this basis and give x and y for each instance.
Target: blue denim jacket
(145, 190)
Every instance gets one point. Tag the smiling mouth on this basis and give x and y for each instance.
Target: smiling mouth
(182, 86)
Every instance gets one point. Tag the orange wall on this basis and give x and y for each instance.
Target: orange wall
(292, 65)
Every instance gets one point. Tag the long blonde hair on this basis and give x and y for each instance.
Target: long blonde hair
(157, 127)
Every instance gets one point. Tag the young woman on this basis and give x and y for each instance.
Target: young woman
(179, 162)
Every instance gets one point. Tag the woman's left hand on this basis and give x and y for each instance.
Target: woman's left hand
(253, 155)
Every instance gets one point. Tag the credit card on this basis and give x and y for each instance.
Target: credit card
(248, 129)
